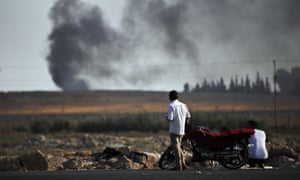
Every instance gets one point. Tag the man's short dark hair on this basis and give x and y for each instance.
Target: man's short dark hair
(252, 124)
(173, 95)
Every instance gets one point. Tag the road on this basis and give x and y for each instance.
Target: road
(223, 174)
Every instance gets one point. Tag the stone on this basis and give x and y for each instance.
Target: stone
(110, 152)
(84, 153)
(139, 157)
(34, 161)
(10, 164)
(281, 162)
(56, 162)
(90, 141)
(283, 151)
(72, 164)
(149, 160)
(125, 150)
(125, 163)
(152, 159)
(41, 139)
(107, 163)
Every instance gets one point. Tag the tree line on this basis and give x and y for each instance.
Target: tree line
(288, 83)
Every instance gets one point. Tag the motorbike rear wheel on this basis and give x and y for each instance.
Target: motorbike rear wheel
(167, 160)
(238, 156)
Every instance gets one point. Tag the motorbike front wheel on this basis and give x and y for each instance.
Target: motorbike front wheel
(237, 156)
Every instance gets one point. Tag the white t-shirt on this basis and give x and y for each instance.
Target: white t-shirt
(257, 148)
(177, 114)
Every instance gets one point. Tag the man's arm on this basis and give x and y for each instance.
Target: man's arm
(170, 115)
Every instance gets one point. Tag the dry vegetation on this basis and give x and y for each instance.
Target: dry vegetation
(58, 113)
(261, 107)
(134, 101)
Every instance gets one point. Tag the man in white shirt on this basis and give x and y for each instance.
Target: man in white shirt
(257, 146)
(178, 113)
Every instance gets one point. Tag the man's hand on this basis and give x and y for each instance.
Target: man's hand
(167, 118)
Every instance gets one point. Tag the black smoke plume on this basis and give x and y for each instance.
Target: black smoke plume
(161, 44)
(78, 31)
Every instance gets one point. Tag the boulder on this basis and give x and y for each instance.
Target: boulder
(125, 150)
(283, 151)
(56, 162)
(152, 159)
(139, 158)
(123, 158)
(34, 161)
(149, 160)
(72, 164)
(125, 163)
(110, 153)
(106, 163)
(282, 162)
(10, 164)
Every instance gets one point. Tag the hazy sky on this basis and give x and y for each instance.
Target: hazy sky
(218, 39)
(25, 26)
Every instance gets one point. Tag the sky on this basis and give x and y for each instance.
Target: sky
(25, 26)
(148, 45)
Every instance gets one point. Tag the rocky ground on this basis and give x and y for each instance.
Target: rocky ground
(98, 151)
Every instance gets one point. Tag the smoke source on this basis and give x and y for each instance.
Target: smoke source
(161, 44)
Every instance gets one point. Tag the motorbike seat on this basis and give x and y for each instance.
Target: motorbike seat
(230, 132)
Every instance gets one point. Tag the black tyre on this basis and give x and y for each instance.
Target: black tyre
(238, 156)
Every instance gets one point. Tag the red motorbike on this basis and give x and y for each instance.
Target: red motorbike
(229, 147)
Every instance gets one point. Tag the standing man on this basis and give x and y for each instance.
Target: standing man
(178, 113)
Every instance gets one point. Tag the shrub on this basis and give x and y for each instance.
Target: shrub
(39, 126)
(89, 126)
(145, 122)
(60, 125)
(20, 129)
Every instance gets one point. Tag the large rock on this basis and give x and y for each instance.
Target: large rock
(139, 158)
(10, 164)
(152, 159)
(56, 162)
(34, 161)
(106, 163)
(149, 160)
(125, 163)
(283, 151)
(109, 152)
(123, 158)
(72, 164)
(282, 162)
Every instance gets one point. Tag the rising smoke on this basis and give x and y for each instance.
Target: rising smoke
(162, 44)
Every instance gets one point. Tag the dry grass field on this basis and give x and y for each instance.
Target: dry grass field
(134, 101)
(32, 105)
(113, 109)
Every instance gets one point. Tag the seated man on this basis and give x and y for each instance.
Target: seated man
(257, 146)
